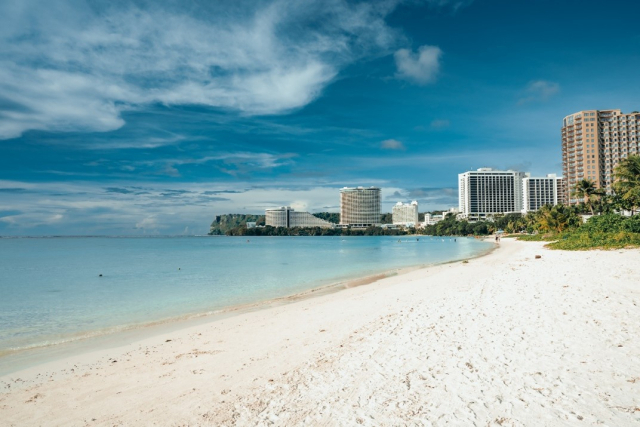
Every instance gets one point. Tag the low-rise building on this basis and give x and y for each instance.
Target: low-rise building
(430, 219)
(285, 216)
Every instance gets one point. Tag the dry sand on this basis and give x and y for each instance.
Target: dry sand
(505, 339)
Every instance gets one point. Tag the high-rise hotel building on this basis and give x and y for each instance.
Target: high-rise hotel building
(487, 192)
(405, 214)
(537, 192)
(593, 143)
(360, 207)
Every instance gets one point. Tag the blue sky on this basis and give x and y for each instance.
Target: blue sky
(151, 117)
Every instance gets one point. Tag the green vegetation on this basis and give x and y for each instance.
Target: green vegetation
(317, 231)
(537, 237)
(450, 226)
(223, 223)
(385, 218)
(236, 225)
(627, 184)
(329, 216)
(586, 189)
(609, 231)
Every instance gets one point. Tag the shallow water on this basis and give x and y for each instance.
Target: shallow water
(51, 290)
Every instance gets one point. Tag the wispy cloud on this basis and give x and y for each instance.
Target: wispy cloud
(392, 144)
(539, 90)
(77, 66)
(440, 124)
(421, 67)
(230, 163)
(89, 208)
(428, 198)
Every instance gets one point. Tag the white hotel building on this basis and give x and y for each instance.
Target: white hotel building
(286, 216)
(487, 192)
(538, 192)
(405, 214)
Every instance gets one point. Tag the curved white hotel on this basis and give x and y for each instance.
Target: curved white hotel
(360, 206)
(286, 216)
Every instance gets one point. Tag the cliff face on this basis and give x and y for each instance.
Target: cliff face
(223, 223)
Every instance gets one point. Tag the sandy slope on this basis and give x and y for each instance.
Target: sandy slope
(506, 339)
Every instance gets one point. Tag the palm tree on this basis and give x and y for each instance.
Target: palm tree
(556, 219)
(627, 184)
(586, 189)
(551, 220)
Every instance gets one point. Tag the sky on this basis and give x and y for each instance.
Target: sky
(151, 117)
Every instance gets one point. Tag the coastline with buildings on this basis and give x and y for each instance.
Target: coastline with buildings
(594, 143)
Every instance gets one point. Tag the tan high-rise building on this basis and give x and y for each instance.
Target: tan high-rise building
(593, 143)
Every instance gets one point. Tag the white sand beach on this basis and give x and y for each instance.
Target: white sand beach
(505, 340)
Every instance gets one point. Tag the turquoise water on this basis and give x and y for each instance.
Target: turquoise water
(51, 291)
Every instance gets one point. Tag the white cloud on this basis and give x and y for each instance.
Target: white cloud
(233, 163)
(421, 67)
(539, 90)
(148, 223)
(90, 208)
(116, 208)
(392, 144)
(71, 65)
(440, 124)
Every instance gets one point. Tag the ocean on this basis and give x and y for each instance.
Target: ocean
(59, 290)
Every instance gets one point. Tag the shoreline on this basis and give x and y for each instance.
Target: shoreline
(507, 339)
(102, 340)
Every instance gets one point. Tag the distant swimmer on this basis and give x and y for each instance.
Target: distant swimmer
(455, 240)
(247, 241)
(99, 275)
